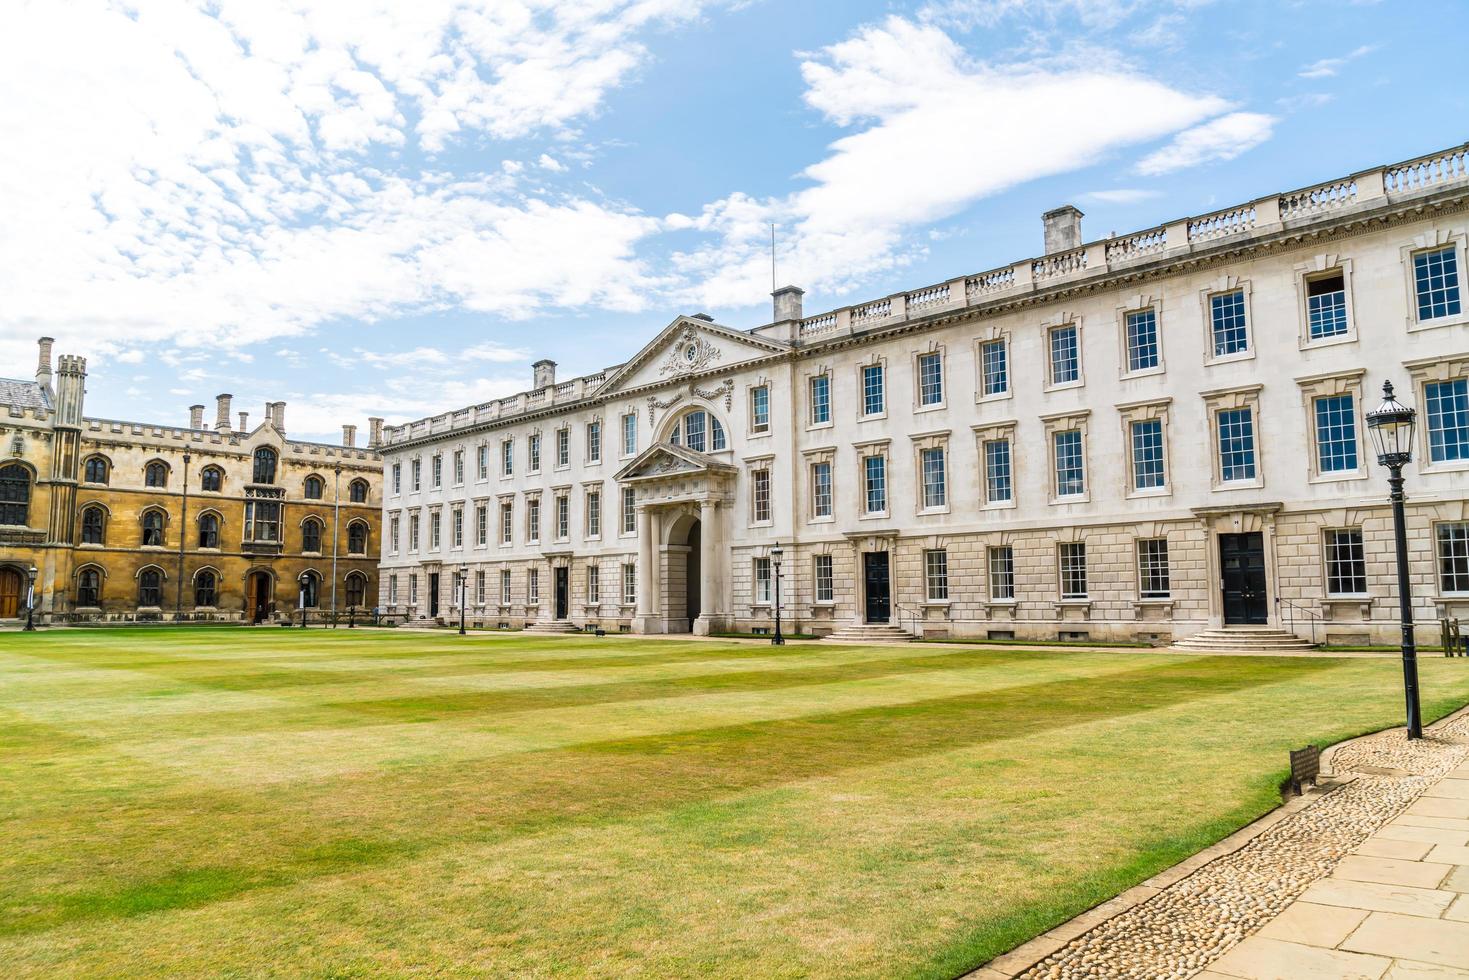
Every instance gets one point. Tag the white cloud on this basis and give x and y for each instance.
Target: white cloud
(1219, 139)
(1327, 67)
(213, 173)
(941, 132)
(1122, 195)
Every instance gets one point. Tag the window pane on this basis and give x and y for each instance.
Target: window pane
(1073, 570)
(1236, 445)
(1436, 279)
(996, 368)
(1147, 454)
(998, 486)
(1142, 340)
(1002, 573)
(936, 573)
(1453, 557)
(874, 469)
(821, 489)
(1326, 306)
(1152, 568)
(760, 408)
(1227, 314)
(1448, 420)
(820, 399)
(930, 379)
(1346, 565)
(823, 578)
(1070, 471)
(935, 490)
(1065, 366)
(1336, 433)
(872, 391)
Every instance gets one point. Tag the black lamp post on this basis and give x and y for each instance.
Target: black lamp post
(1391, 425)
(463, 595)
(31, 599)
(304, 580)
(775, 556)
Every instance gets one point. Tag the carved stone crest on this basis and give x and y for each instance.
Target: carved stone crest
(726, 391)
(691, 352)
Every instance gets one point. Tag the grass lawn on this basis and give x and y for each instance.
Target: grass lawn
(351, 803)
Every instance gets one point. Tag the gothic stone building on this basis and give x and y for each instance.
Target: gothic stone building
(1146, 436)
(144, 521)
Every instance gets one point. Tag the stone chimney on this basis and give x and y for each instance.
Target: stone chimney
(1063, 229)
(349, 436)
(278, 416)
(244, 421)
(71, 389)
(222, 413)
(543, 374)
(196, 416)
(788, 303)
(43, 362)
(374, 432)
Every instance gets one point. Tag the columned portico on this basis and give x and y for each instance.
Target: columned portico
(683, 549)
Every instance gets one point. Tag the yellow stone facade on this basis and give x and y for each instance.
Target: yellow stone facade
(131, 521)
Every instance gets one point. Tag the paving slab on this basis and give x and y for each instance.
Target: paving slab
(1437, 806)
(1450, 789)
(1411, 937)
(1440, 823)
(1448, 854)
(1387, 847)
(1458, 880)
(1428, 835)
(1374, 897)
(1314, 925)
(1459, 910)
(1271, 959)
(1425, 971)
(1389, 871)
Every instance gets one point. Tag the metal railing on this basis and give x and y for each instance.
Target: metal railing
(914, 617)
(1291, 609)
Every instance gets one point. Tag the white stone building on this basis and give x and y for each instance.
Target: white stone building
(1139, 437)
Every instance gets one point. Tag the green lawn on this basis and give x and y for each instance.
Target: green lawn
(351, 803)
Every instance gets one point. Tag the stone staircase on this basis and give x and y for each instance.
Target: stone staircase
(871, 633)
(1249, 639)
(552, 626)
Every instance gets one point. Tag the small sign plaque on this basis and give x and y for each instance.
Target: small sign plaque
(1305, 766)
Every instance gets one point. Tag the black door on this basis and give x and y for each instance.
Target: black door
(876, 586)
(261, 596)
(563, 592)
(433, 595)
(1242, 567)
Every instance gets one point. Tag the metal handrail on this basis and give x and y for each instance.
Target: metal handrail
(1291, 620)
(914, 616)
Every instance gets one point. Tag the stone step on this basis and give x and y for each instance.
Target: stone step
(871, 633)
(1253, 639)
(553, 626)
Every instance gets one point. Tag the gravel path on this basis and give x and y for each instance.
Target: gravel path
(1188, 925)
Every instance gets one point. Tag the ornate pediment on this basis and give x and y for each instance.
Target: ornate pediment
(686, 350)
(663, 460)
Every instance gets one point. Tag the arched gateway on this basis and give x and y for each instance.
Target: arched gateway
(683, 498)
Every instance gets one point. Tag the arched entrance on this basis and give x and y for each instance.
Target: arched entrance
(258, 600)
(684, 568)
(12, 591)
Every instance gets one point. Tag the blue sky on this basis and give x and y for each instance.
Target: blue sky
(392, 208)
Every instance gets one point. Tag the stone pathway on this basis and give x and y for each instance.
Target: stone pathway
(1354, 882)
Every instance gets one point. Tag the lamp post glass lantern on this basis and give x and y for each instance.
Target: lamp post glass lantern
(31, 574)
(775, 555)
(304, 581)
(463, 595)
(1391, 425)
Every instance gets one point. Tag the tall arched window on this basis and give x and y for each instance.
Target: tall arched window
(265, 460)
(208, 531)
(15, 495)
(150, 587)
(310, 589)
(204, 588)
(312, 488)
(95, 470)
(153, 528)
(89, 588)
(357, 491)
(155, 474)
(94, 525)
(357, 538)
(356, 588)
(212, 478)
(700, 431)
(311, 535)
